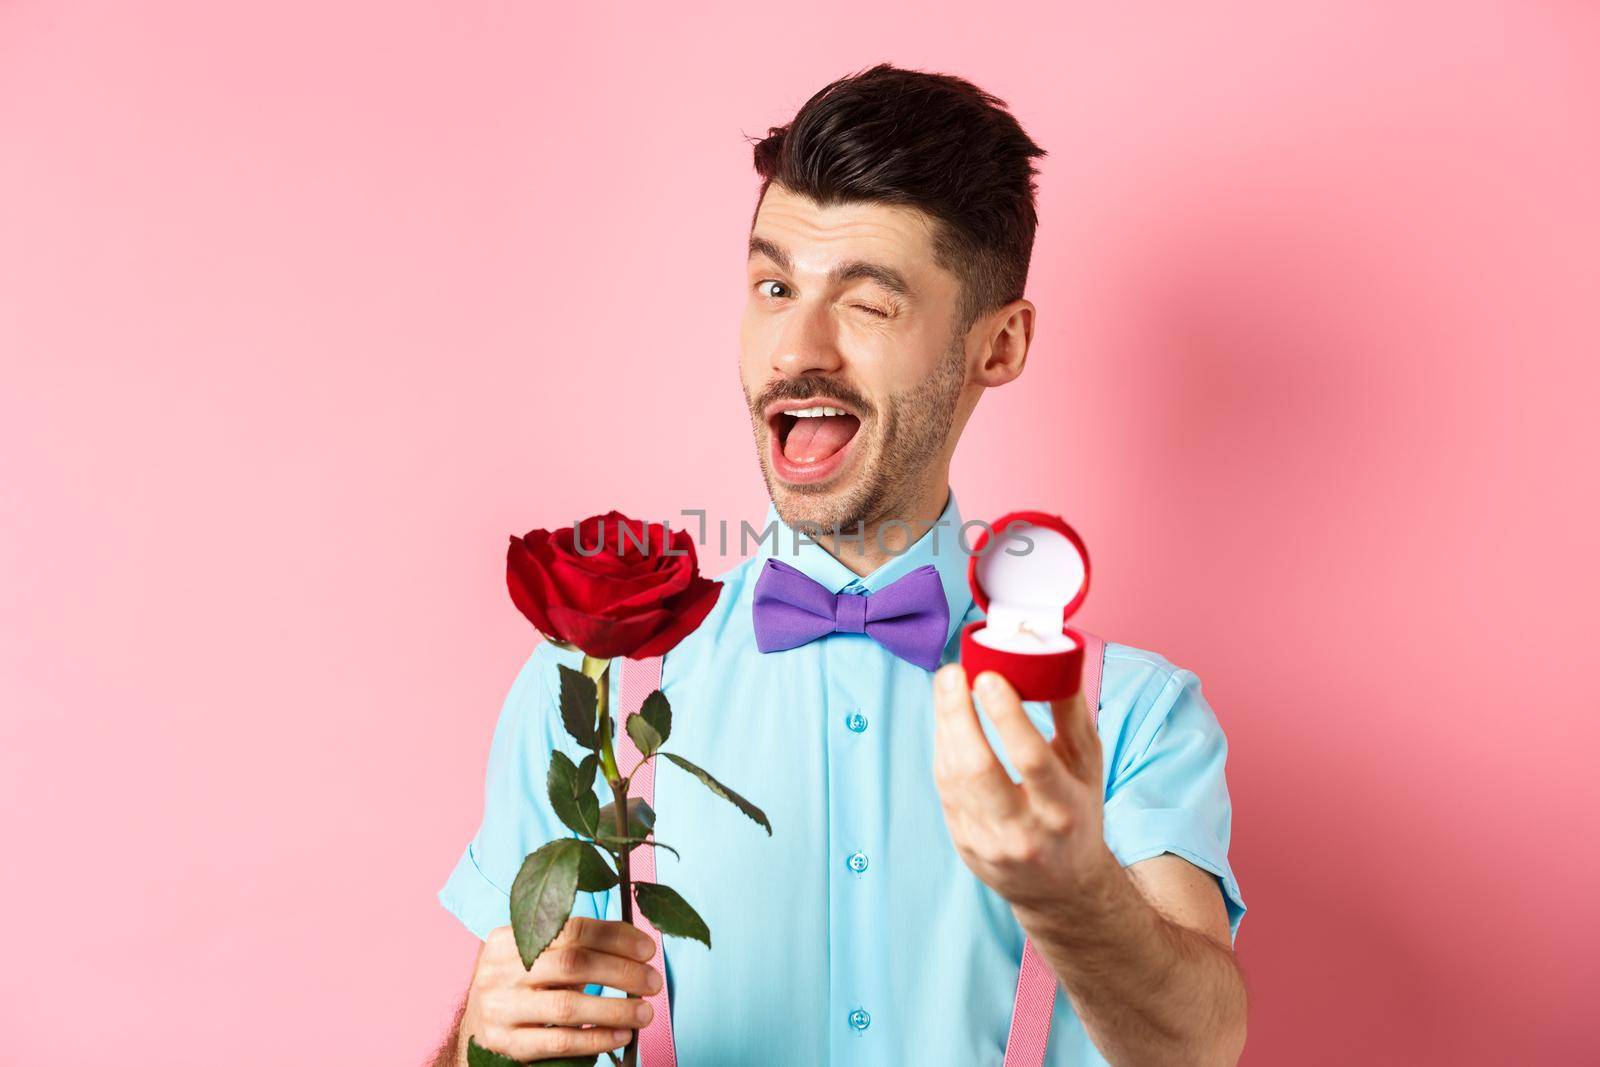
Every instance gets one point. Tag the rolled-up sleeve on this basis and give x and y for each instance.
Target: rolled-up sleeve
(517, 817)
(1170, 793)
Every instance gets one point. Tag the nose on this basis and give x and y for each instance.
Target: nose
(807, 344)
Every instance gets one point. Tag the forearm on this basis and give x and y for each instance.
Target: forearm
(449, 1053)
(1149, 991)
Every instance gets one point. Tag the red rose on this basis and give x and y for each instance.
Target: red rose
(614, 598)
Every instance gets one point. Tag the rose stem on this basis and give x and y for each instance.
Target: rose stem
(630, 1055)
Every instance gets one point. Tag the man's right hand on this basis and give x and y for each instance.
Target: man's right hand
(543, 1013)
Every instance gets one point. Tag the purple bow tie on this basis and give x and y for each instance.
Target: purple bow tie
(909, 616)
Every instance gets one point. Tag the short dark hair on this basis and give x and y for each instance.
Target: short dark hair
(930, 141)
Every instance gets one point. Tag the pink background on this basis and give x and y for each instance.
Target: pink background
(304, 308)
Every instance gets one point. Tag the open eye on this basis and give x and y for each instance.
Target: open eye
(760, 287)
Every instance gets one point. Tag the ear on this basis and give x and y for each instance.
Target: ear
(1006, 349)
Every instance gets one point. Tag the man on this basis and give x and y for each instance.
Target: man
(914, 845)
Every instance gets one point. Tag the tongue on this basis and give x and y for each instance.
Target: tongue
(814, 440)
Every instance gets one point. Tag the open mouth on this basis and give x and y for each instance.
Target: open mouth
(810, 441)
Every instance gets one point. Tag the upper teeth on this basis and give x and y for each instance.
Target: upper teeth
(814, 413)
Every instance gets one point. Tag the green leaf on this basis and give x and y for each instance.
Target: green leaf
(586, 772)
(579, 809)
(644, 736)
(579, 709)
(722, 791)
(594, 873)
(658, 713)
(478, 1056)
(641, 824)
(670, 913)
(542, 896)
(641, 819)
(652, 725)
(561, 766)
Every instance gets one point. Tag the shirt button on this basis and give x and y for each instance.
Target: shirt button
(856, 721)
(856, 861)
(859, 1019)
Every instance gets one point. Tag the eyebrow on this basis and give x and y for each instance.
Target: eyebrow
(887, 277)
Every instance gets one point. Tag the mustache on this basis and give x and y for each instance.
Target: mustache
(805, 389)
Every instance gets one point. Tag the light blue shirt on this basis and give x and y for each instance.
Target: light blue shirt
(854, 936)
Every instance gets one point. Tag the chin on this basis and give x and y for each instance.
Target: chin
(837, 506)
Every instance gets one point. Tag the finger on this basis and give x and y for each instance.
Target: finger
(532, 1043)
(608, 935)
(964, 764)
(572, 1007)
(1044, 775)
(1069, 739)
(573, 965)
(1074, 724)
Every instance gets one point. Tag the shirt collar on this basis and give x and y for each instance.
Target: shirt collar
(940, 545)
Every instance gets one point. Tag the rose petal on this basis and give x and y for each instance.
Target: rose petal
(687, 612)
(527, 582)
(592, 545)
(606, 638)
(625, 590)
(641, 589)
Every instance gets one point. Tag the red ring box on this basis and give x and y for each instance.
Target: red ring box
(1029, 572)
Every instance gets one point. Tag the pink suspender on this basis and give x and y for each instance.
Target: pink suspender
(1034, 1006)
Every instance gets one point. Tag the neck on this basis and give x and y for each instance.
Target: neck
(892, 533)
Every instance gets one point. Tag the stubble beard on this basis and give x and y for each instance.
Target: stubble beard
(915, 427)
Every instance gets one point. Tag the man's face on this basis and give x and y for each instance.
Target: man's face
(849, 364)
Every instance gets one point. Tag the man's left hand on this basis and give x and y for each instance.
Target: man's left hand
(1034, 842)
